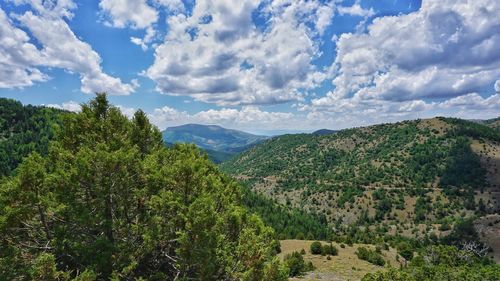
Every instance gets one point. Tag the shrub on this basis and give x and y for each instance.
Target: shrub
(329, 250)
(405, 250)
(296, 264)
(370, 256)
(316, 248)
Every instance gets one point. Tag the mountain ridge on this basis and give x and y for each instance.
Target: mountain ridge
(220, 143)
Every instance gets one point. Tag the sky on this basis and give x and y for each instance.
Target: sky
(258, 66)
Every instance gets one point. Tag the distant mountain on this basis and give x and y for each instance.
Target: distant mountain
(324, 132)
(220, 143)
(493, 123)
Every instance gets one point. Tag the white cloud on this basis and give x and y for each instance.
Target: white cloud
(144, 42)
(218, 55)
(497, 86)
(136, 13)
(473, 101)
(127, 111)
(52, 9)
(60, 48)
(69, 106)
(173, 6)
(447, 48)
(324, 15)
(427, 63)
(17, 57)
(356, 10)
(246, 118)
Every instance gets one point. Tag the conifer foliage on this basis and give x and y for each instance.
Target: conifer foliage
(110, 202)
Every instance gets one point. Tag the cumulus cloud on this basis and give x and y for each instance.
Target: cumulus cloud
(60, 48)
(356, 10)
(217, 54)
(445, 49)
(17, 57)
(246, 118)
(69, 106)
(426, 63)
(136, 13)
(473, 101)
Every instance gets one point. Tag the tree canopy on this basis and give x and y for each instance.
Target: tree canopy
(110, 202)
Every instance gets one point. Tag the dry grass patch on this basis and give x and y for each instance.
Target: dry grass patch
(345, 266)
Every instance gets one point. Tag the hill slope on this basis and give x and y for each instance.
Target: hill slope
(404, 174)
(220, 143)
(24, 129)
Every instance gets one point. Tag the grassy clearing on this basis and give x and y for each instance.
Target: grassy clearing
(345, 266)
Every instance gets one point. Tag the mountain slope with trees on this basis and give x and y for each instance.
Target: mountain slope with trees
(413, 178)
(24, 129)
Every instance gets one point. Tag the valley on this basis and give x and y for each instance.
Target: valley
(382, 196)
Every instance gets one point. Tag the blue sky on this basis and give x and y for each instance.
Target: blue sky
(259, 66)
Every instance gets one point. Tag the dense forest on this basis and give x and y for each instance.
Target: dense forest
(289, 223)
(24, 129)
(110, 201)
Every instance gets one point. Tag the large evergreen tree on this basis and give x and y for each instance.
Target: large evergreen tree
(109, 201)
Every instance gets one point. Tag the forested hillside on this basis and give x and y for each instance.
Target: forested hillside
(413, 178)
(24, 129)
(110, 202)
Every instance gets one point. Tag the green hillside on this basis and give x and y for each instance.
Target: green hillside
(414, 177)
(24, 129)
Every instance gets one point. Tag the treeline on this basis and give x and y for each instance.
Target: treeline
(24, 129)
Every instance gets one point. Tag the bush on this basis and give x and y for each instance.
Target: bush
(316, 248)
(405, 250)
(296, 265)
(370, 256)
(329, 250)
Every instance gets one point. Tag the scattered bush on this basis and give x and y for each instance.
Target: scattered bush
(318, 249)
(370, 256)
